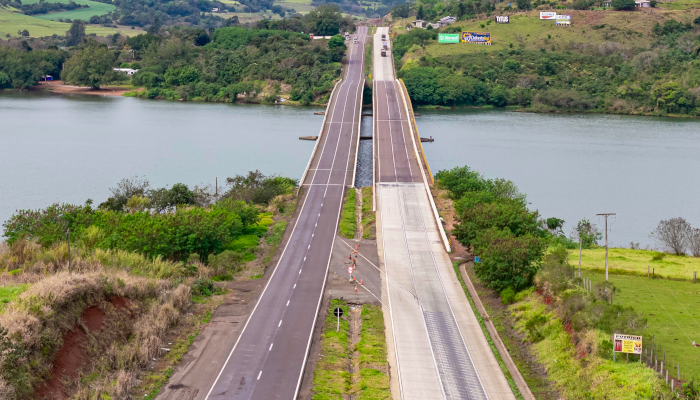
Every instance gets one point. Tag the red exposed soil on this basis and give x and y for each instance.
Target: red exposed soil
(72, 356)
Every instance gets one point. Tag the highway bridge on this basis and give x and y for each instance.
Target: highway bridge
(435, 344)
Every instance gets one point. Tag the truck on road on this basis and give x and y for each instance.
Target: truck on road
(383, 53)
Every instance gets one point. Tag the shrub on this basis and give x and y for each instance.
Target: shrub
(508, 296)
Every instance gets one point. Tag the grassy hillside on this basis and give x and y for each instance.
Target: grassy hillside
(671, 310)
(589, 29)
(96, 8)
(635, 262)
(11, 22)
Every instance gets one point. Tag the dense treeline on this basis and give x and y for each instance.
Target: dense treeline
(45, 8)
(493, 219)
(193, 64)
(23, 69)
(171, 223)
(658, 81)
(236, 61)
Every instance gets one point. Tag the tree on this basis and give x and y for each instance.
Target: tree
(420, 14)
(586, 232)
(126, 189)
(623, 4)
(694, 242)
(508, 260)
(400, 11)
(91, 66)
(75, 33)
(337, 41)
(25, 33)
(327, 20)
(525, 4)
(673, 234)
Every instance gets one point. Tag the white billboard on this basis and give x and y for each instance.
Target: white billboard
(548, 14)
(563, 17)
(502, 19)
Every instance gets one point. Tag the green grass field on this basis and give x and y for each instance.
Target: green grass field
(11, 292)
(628, 261)
(525, 30)
(96, 8)
(672, 309)
(11, 22)
(348, 223)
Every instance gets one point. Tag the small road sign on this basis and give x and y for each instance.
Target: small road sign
(338, 312)
(350, 270)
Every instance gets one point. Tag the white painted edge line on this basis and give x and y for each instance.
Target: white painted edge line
(250, 316)
(359, 129)
(441, 228)
(328, 264)
(391, 314)
(323, 126)
(375, 159)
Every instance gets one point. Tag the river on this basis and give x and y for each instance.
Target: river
(574, 166)
(57, 148)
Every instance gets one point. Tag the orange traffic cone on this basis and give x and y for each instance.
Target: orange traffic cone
(361, 282)
(355, 288)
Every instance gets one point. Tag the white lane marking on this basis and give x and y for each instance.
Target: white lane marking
(304, 258)
(295, 286)
(343, 82)
(259, 375)
(271, 344)
(312, 235)
(308, 247)
(280, 324)
(288, 302)
(340, 205)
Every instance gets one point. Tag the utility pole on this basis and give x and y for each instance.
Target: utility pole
(606, 242)
(70, 273)
(580, 248)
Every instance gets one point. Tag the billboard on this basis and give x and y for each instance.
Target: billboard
(628, 344)
(562, 22)
(502, 19)
(448, 38)
(562, 17)
(476, 37)
(548, 14)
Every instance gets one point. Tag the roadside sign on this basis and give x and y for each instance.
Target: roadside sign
(350, 270)
(504, 19)
(562, 22)
(338, 312)
(476, 37)
(628, 344)
(548, 15)
(564, 17)
(448, 38)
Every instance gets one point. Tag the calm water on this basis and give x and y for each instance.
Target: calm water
(69, 148)
(574, 166)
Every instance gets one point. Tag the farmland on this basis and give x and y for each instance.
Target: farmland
(96, 8)
(635, 262)
(671, 308)
(11, 22)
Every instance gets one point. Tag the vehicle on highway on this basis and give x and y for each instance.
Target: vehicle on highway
(355, 40)
(383, 36)
(383, 53)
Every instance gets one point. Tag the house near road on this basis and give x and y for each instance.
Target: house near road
(128, 71)
(419, 23)
(444, 21)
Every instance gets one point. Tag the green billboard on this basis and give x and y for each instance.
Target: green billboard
(448, 38)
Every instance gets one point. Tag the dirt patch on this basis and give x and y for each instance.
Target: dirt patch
(73, 354)
(59, 87)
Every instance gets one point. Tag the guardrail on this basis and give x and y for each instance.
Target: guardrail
(359, 128)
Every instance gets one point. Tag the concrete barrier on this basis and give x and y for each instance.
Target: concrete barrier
(320, 134)
(415, 127)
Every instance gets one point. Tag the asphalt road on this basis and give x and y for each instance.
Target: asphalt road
(268, 359)
(440, 350)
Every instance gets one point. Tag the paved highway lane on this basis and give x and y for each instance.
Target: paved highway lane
(268, 359)
(441, 352)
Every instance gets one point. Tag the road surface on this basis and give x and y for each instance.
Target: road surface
(268, 359)
(439, 348)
